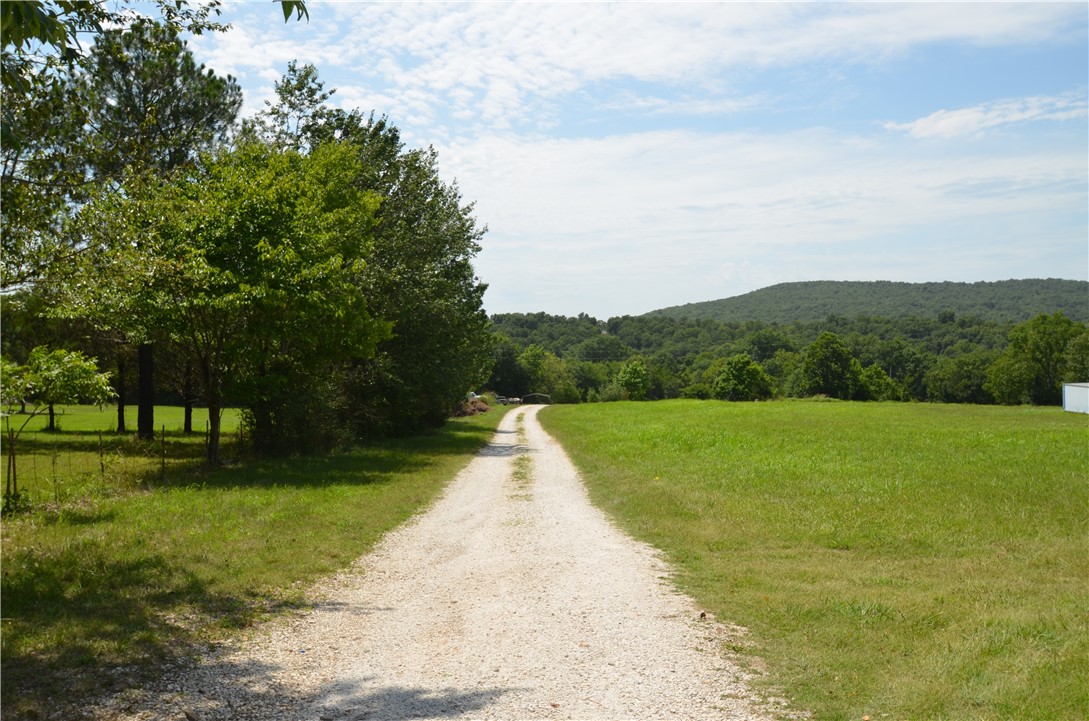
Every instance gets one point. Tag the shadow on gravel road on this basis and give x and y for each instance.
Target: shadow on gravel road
(397, 703)
(242, 692)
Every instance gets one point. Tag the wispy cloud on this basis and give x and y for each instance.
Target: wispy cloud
(602, 142)
(977, 119)
(507, 65)
(682, 215)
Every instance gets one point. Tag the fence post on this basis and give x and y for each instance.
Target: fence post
(53, 464)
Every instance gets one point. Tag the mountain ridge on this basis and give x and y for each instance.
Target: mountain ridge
(806, 301)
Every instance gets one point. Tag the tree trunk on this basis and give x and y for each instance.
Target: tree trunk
(121, 393)
(187, 391)
(52, 420)
(213, 433)
(262, 426)
(145, 417)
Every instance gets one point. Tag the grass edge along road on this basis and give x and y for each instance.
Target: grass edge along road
(896, 561)
(103, 590)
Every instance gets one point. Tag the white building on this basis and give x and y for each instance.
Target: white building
(1076, 397)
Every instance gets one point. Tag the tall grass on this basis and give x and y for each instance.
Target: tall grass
(890, 560)
(102, 588)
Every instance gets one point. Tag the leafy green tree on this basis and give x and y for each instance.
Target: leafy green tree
(152, 106)
(252, 263)
(765, 343)
(40, 37)
(419, 273)
(152, 109)
(532, 361)
(558, 381)
(634, 379)
(1034, 363)
(876, 385)
(48, 132)
(741, 379)
(1077, 357)
(961, 378)
(590, 377)
(508, 377)
(136, 102)
(49, 378)
(784, 368)
(830, 369)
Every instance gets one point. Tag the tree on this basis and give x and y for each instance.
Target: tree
(419, 273)
(1077, 357)
(151, 109)
(252, 263)
(876, 385)
(46, 137)
(41, 36)
(1034, 363)
(49, 378)
(508, 377)
(961, 378)
(830, 369)
(741, 379)
(151, 105)
(634, 379)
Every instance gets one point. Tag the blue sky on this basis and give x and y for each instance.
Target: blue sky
(633, 156)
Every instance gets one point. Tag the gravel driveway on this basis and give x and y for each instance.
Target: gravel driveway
(511, 598)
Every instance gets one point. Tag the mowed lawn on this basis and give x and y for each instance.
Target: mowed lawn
(896, 561)
(112, 573)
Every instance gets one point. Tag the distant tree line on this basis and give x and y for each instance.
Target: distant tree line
(812, 301)
(302, 264)
(944, 359)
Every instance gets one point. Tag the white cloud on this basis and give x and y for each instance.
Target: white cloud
(640, 220)
(507, 64)
(630, 223)
(976, 119)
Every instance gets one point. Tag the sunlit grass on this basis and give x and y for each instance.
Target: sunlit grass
(891, 560)
(102, 587)
(86, 457)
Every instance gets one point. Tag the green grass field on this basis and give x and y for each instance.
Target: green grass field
(127, 572)
(896, 561)
(86, 457)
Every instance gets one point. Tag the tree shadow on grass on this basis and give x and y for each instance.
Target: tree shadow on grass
(80, 624)
(84, 620)
(378, 462)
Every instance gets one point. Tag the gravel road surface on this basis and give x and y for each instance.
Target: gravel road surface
(511, 598)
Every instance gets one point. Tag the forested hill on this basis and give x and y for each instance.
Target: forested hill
(1001, 301)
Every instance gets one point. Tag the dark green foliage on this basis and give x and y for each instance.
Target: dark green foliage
(250, 263)
(741, 379)
(1007, 300)
(634, 379)
(1033, 366)
(829, 369)
(152, 105)
(1077, 358)
(508, 377)
(911, 358)
(876, 385)
(418, 273)
(961, 378)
